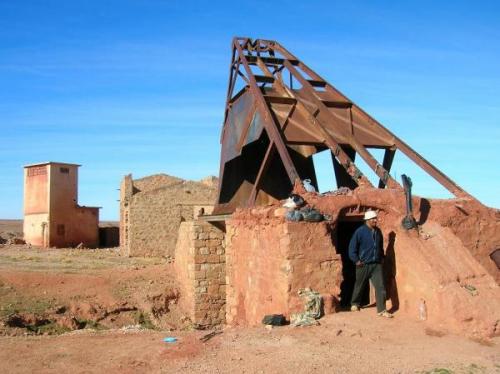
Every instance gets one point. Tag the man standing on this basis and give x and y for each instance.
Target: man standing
(366, 251)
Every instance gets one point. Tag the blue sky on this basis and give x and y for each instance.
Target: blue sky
(139, 86)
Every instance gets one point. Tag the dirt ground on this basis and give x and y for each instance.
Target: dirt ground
(91, 311)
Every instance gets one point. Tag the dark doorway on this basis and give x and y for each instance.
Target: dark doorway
(109, 237)
(344, 232)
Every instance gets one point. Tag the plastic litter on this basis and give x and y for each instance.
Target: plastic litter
(471, 289)
(311, 215)
(308, 186)
(422, 310)
(313, 308)
(307, 214)
(274, 320)
(294, 215)
(290, 204)
(294, 201)
(297, 199)
(169, 339)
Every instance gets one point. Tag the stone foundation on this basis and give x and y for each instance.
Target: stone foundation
(200, 267)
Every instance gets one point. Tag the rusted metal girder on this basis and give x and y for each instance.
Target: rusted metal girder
(278, 114)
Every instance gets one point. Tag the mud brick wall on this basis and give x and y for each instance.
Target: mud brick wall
(200, 268)
(152, 209)
(269, 260)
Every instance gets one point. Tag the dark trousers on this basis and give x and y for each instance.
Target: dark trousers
(374, 273)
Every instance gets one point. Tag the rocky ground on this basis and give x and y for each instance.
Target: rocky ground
(86, 311)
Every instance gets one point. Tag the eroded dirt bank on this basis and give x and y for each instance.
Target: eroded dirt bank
(59, 290)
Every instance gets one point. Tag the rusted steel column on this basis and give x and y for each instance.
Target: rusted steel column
(387, 163)
(271, 150)
(274, 133)
(446, 182)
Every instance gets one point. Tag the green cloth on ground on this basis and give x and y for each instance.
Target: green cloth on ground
(313, 306)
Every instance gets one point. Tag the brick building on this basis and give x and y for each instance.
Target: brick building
(152, 209)
(52, 216)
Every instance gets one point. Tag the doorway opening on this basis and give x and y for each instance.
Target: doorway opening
(344, 233)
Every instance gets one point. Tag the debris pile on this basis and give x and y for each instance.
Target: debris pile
(313, 306)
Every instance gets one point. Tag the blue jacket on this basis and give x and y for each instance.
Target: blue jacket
(366, 245)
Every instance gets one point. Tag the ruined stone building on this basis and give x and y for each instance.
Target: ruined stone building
(152, 209)
(52, 216)
(247, 260)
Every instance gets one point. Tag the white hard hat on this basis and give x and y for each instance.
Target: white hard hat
(370, 214)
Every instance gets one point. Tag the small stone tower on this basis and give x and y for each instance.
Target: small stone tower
(52, 216)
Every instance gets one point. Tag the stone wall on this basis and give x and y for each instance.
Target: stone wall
(153, 224)
(200, 268)
(152, 209)
(269, 260)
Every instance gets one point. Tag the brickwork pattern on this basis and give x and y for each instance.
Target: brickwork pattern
(200, 266)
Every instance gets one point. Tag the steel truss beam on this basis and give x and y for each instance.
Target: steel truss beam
(278, 113)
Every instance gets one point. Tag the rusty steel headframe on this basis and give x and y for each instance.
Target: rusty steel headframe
(278, 114)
